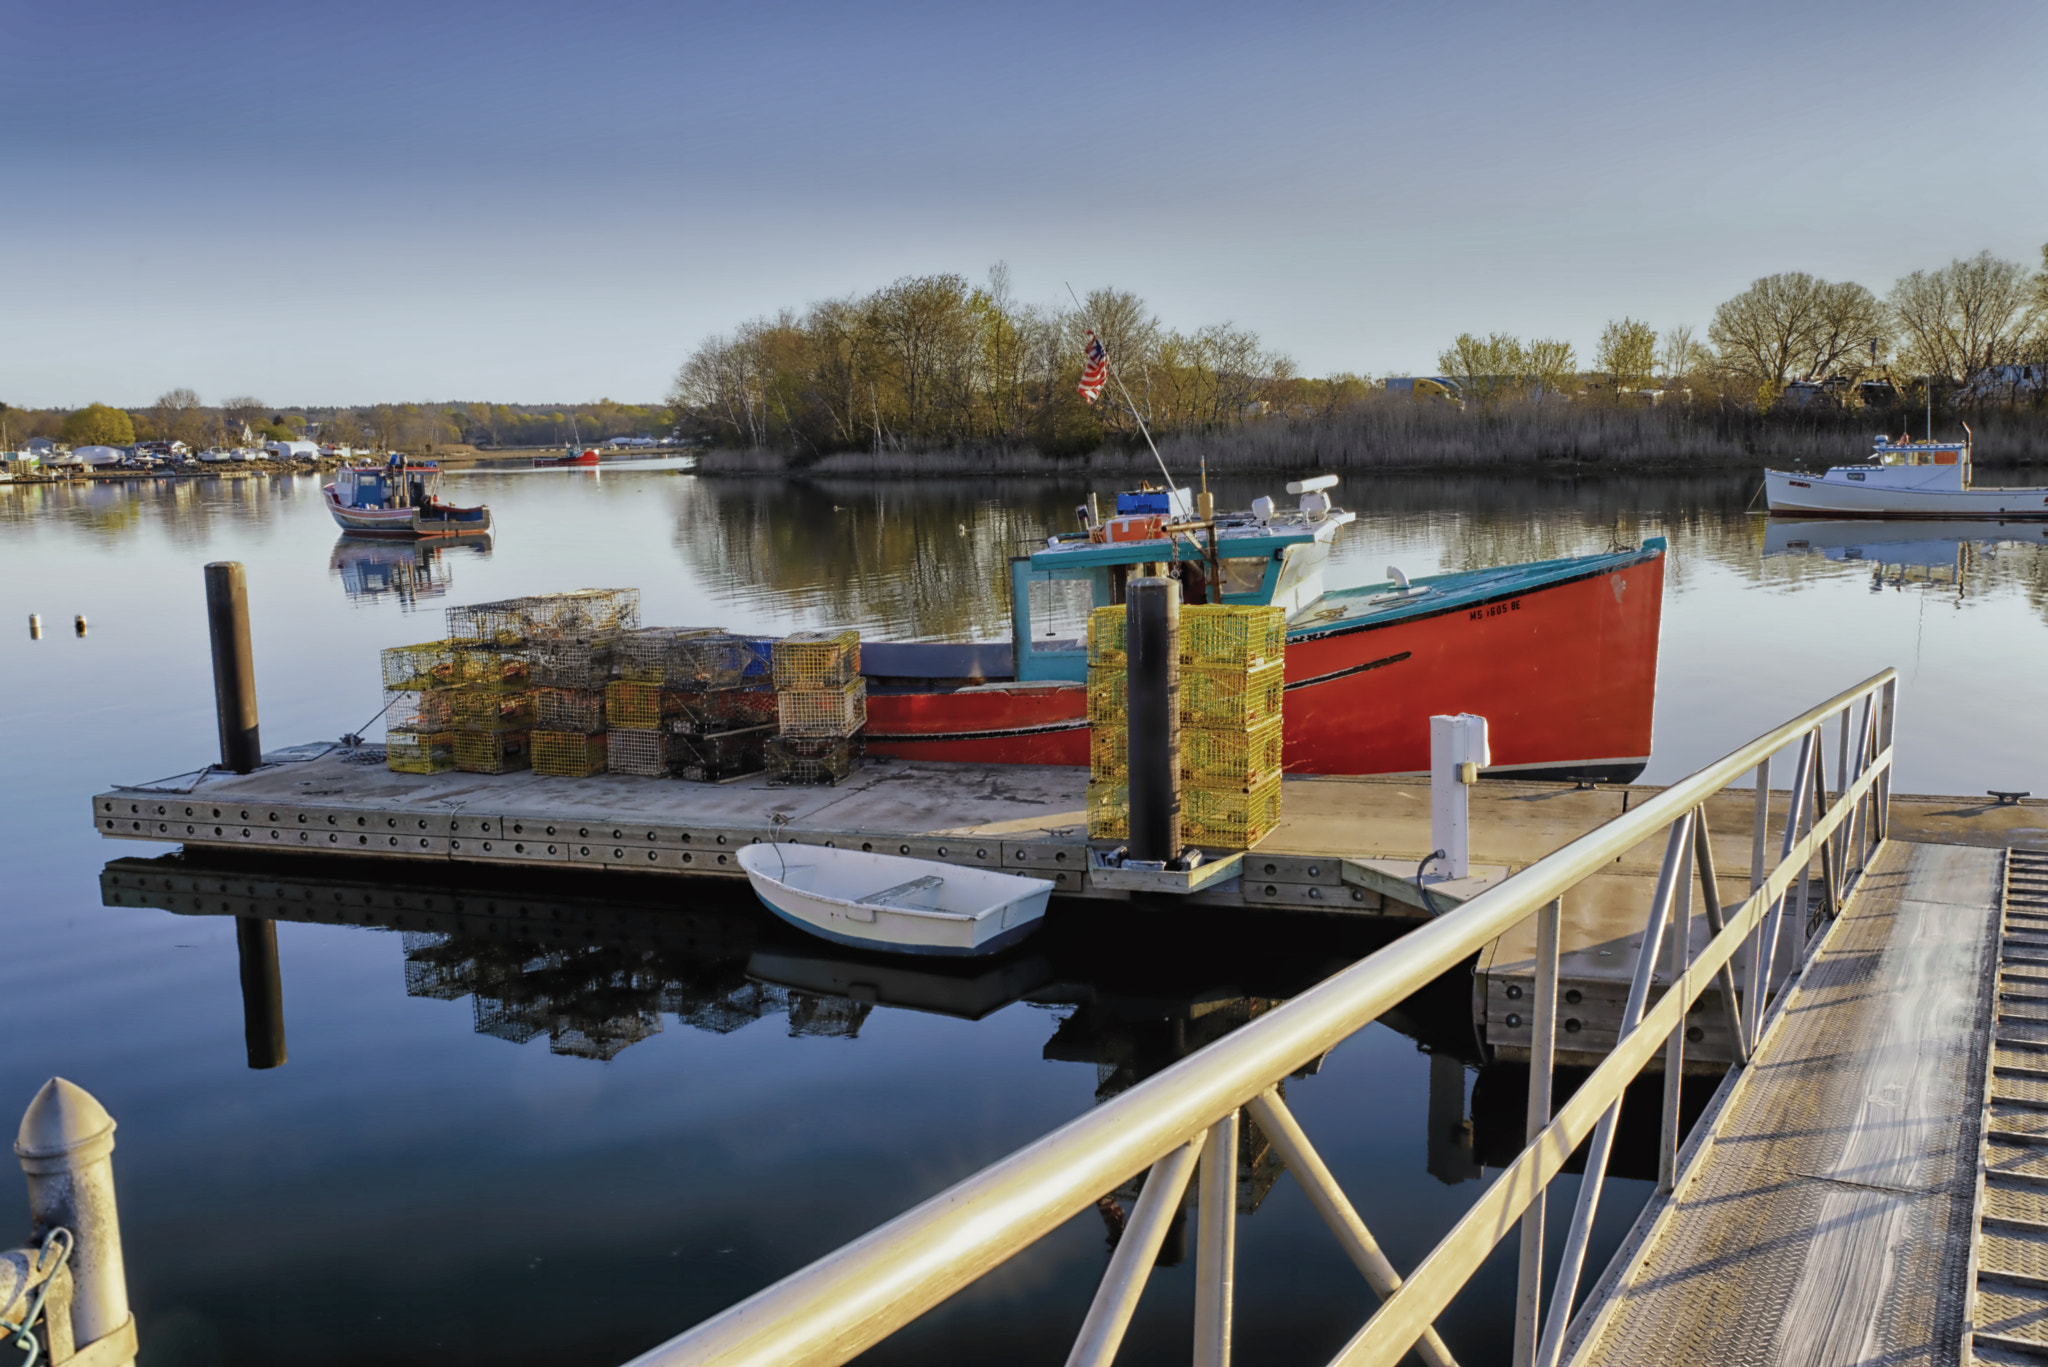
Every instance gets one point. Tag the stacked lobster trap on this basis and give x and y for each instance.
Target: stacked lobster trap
(691, 702)
(1232, 667)
(473, 700)
(821, 707)
(1230, 684)
(571, 685)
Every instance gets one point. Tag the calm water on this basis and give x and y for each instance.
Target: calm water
(561, 1150)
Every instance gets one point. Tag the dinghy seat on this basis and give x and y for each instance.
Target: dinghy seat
(902, 892)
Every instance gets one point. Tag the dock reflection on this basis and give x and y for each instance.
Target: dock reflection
(543, 959)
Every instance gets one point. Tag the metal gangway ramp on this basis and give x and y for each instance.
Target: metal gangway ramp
(1825, 1211)
(1838, 1161)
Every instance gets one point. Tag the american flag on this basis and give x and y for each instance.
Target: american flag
(1095, 373)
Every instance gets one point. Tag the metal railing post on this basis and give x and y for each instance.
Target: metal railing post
(1271, 1115)
(1753, 988)
(1772, 928)
(1567, 1288)
(1216, 1244)
(1830, 870)
(1710, 895)
(1116, 1299)
(1886, 730)
(1542, 1063)
(1678, 954)
(1842, 785)
(66, 1147)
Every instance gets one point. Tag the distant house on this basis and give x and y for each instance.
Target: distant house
(1424, 387)
(2003, 384)
(40, 446)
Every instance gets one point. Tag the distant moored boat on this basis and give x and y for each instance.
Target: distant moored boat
(1902, 479)
(398, 500)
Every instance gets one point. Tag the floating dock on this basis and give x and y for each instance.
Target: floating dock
(1345, 846)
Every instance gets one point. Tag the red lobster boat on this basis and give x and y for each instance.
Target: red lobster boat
(1560, 656)
(398, 499)
(569, 459)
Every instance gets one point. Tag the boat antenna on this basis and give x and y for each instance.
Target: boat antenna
(1089, 324)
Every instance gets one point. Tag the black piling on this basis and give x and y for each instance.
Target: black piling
(262, 991)
(1152, 642)
(234, 669)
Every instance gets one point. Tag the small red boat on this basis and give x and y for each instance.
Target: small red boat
(1560, 656)
(569, 459)
(398, 500)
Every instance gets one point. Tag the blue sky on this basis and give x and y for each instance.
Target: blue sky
(383, 201)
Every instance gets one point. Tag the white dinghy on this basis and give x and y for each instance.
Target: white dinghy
(897, 905)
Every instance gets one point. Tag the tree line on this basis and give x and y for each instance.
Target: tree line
(1951, 328)
(939, 360)
(180, 415)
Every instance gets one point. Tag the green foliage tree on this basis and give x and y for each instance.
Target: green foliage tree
(98, 425)
(1627, 354)
(1486, 368)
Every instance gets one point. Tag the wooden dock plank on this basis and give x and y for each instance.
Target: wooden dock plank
(1826, 1216)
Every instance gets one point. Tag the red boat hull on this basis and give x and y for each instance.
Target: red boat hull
(1564, 672)
(588, 458)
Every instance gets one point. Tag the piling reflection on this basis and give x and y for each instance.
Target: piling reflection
(407, 571)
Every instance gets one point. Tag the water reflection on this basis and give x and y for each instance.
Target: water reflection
(595, 976)
(405, 571)
(1948, 555)
(927, 559)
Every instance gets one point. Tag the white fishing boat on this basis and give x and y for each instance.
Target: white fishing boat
(1902, 479)
(893, 904)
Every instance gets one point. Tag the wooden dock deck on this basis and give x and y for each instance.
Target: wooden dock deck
(1825, 1210)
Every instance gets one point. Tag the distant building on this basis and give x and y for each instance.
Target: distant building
(40, 446)
(2003, 384)
(1424, 387)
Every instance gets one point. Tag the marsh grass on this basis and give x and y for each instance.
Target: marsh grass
(1398, 434)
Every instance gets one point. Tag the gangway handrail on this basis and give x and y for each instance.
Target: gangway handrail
(852, 1298)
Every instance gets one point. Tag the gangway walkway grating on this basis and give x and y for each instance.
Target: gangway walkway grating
(2009, 1310)
(1825, 1215)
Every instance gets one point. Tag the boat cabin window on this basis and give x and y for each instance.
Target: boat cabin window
(1059, 612)
(1244, 574)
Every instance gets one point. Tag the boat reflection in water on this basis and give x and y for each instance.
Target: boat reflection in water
(375, 568)
(1904, 552)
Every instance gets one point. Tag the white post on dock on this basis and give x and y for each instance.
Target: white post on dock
(66, 1146)
(1458, 750)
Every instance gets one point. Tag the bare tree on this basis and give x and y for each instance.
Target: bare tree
(177, 415)
(1681, 355)
(1847, 319)
(1767, 331)
(1967, 315)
